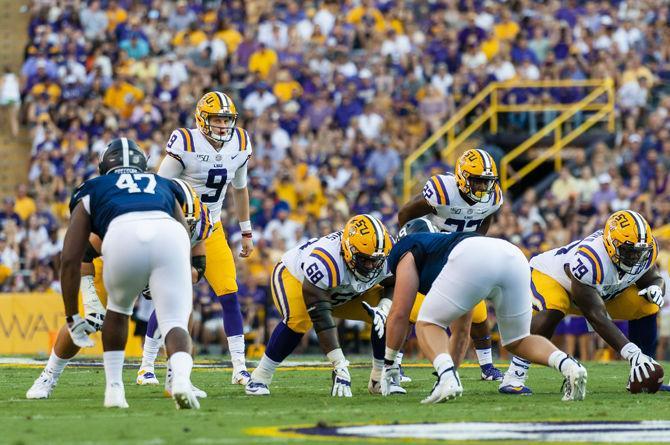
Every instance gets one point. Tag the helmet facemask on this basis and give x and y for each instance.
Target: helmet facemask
(366, 267)
(631, 258)
(479, 188)
(228, 126)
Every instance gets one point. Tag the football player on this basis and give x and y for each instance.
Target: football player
(210, 157)
(440, 266)
(343, 275)
(145, 239)
(464, 202)
(611, 274)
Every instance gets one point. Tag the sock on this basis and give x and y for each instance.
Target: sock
(232, 315)
(149, 353)
(485, 357)
(443, 362)
(152, 327)
(56, 365)
(265, 370)
(559, 361)
(378, 350)
(644, 333)
(518, 370)
(282, 342)
(113, 361)
(181, 364)
(236, 348)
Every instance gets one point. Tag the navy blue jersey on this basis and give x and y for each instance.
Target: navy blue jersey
(112, 195)
(431, 252)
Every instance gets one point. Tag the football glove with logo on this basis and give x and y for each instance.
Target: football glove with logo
(654, 294)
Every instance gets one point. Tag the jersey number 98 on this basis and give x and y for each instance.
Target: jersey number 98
(216, 179)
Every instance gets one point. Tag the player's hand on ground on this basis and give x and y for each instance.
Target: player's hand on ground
(378, 317)
(247, 247)
(79, 330)
(654, 294)
(341, 381)
(390, 375)
(640, 365)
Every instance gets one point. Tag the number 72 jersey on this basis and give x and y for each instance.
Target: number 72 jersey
(452, 212)
(209, 171)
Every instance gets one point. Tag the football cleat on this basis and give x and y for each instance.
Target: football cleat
(42, 387)
(447, 387)
(375, 387)
(519, 390)
(256, 389)
(574, 386)
(404, 378)
(241, 377)
(115, 396)
(146, 377)
(183, 394)
(491, 374)
(199, 393)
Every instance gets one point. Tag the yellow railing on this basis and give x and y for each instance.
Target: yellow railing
(491, 95)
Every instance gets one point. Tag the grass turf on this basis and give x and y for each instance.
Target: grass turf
(74, 413)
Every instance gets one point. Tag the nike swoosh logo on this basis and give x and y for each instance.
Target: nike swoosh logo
(233, 157)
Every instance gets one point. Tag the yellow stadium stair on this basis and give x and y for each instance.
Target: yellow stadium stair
(457, 135)
(14, 152)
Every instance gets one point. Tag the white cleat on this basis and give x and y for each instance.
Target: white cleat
(447, 387)
(183, 394)
(199, 393)
(574, 386)
(42, 387)
(146, 377)
(240, 377)
(253, 388)
(115, 396)
(375, 387)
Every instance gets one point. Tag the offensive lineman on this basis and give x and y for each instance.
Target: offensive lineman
(210, 157)
(464, 202)
(145, 239)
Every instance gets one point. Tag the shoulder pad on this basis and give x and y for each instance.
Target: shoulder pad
(587, 266)
(321, 268)
(435, 191)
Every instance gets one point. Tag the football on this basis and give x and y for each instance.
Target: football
(650, 384)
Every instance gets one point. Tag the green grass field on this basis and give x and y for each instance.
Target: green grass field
(74, 413)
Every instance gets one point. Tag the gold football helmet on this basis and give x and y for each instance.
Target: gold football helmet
(192, 207)
(628, 241)
(365, 244)
(216, 105)
(476, 175)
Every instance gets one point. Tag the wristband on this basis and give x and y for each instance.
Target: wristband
(247, 235)
(245, 226)
(390, 356)
(629, 350)
(336, 357)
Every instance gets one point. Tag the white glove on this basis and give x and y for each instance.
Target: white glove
(378, 315)
(654, 294)
(390, 377)
(95, 321)
(341, 381)
(640, 364)
(79, 330)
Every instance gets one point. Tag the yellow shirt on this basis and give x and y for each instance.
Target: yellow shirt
(195, 37)
(490, 47)
(24, 207)
(286, 91)
(356, 15)
(115, 17)
(231, 37)
(286, 192)
(262, 61)
(641, 71)
(122, 98)
(506, 31)
(53, 90)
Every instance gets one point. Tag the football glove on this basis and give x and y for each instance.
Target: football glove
(378, 315)
(146, 293)
(341, 381)
(95, 321)
(640, 365)
(390, 377)
(79, 330)
(654, 294)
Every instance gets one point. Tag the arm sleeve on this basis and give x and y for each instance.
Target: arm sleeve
(171, 166)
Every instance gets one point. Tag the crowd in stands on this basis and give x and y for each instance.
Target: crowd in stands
(334, 95)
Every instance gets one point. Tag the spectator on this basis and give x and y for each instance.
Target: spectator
(10, 99)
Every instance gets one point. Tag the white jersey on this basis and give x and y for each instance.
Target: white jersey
(209, 171)
(452, 212)
(590, 264)
(320, 260)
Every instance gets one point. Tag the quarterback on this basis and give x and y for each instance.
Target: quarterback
(611, 274)
(343, 274)
(209, 158)
(464, 202)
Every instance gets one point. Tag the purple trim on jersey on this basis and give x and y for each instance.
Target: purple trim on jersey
(325, 264)
(600, 263)
(337, 270)
(190, 135)
(183, 138)
(444, 189)
(537, 295)
(283, 293)
(593, 274)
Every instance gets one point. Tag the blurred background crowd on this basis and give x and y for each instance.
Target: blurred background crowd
(334, 94)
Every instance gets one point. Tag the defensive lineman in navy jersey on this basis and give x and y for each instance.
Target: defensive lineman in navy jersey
(456, 271)
(144, 239)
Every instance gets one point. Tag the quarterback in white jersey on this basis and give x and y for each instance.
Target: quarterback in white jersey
(209, 158)
(611, 274)
(337, 275)
(464, 202)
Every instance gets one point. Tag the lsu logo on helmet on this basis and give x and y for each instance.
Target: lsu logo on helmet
(216, 104)
(476, 175)
(628, 241)
(365, 245)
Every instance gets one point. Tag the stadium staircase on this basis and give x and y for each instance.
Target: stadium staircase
(539, 153)
(14, 152)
